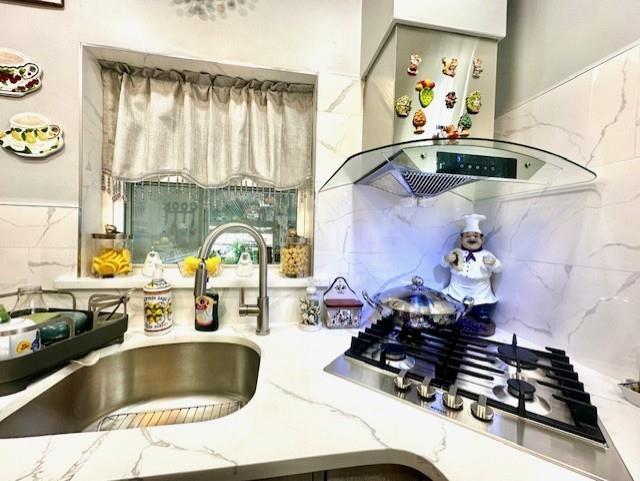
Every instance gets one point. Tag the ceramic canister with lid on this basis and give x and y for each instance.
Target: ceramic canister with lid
(157, 305)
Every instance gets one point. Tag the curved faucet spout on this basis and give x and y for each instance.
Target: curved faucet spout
(261, 309)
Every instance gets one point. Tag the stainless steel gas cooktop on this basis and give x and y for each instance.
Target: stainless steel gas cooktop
(533, 399)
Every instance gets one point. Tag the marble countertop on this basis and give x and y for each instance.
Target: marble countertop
(300, 419)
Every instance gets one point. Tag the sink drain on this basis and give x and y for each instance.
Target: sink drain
(164, 417)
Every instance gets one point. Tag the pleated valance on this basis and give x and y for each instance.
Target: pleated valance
(211, 130)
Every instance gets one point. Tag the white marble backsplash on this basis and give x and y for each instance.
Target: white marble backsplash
(572, 259)
(37, 244)
(380, 240)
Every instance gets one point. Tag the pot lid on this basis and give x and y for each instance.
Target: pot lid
(416, 298)
(111, 232)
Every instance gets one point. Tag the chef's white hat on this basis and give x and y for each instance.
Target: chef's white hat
(472, 222)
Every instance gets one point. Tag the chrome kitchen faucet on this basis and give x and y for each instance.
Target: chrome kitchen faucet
(261, 309)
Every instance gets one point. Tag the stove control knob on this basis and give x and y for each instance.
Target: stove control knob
(425, 390)
(401, 381)
(481, 411)
(452, 400)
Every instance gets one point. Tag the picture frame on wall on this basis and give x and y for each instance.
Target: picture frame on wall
(43, 3)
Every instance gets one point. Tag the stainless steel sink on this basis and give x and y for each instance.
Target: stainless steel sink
(163, 384)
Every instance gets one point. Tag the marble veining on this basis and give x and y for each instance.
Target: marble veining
(38, 468)
(573, 257)
(334, 409)
(342, 95)
(628, 283)
(85, 455)
(159, 443)
(440, 447)
(616, 117)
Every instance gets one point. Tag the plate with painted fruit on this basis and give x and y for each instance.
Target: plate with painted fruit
(31, 135)
(19, 75)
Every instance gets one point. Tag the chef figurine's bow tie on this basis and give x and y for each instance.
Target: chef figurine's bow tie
(470, 257)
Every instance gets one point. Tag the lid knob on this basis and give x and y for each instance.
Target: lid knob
(417, 281)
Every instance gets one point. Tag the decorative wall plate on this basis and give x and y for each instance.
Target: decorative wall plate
(31, 135)
(18, 74)
(25, 150)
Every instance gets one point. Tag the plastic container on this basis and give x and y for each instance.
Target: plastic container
(111, 254)
(295, 256)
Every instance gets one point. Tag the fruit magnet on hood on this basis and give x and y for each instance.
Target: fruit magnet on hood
(425, 87)
(477, 68)
(473, 102)
(465, 122)
(403, 105)
(419, 120)
(414, 63)
(449, 66)
(450, 100)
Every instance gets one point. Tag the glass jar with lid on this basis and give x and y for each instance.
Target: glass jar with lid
(295, 255)
(111, 253)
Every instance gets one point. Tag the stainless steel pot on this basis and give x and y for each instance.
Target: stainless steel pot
(418, 306)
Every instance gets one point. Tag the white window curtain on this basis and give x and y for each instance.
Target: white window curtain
(211, 130)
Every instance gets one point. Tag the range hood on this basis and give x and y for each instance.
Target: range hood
(416, 164)
(476, 168)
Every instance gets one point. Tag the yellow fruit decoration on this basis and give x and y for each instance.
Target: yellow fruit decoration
(30, 137)
(112, 262)
(190, 264)
(212, 264)
(42, 135)
(16, 135)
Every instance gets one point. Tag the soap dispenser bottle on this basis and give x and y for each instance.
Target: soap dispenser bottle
(158, 308)
(206, 302)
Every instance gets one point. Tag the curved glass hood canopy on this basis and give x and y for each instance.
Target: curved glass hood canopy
(476, 168)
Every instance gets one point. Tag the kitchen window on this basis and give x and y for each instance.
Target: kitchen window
(185, 151)
(173, 218)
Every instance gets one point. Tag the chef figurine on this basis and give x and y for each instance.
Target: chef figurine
(471, 268)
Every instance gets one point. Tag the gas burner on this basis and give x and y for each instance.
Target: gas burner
(517, 386)
(411, 334)
(394, 351)
(395, 355)
(508, 353)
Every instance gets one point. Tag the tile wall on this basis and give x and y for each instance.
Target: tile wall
(572, 259)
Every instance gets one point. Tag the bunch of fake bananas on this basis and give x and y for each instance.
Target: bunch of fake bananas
(190, 265)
